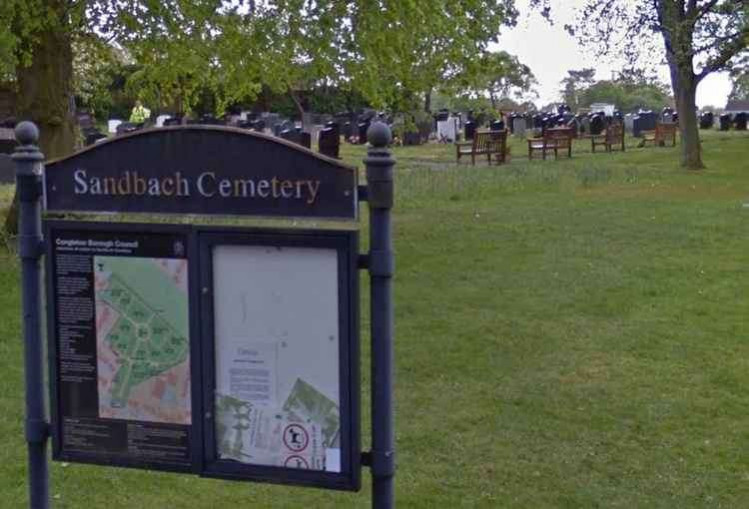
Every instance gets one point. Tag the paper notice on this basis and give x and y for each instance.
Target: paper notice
(248, 371)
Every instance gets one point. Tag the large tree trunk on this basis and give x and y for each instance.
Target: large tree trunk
(678, 44)
(45, 92)
(691, 150)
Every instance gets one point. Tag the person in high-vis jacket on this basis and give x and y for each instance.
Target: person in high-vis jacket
(140, 113)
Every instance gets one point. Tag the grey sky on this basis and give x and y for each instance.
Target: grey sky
(549, 51)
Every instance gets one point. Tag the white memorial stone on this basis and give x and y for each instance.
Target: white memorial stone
(112, 125)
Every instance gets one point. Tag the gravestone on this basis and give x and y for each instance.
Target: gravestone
(497, 125)
(297, 136)
(362, 132)
(707, 119)
(585, 124)
(210, 120)
(725, 121)
(739, 121)
(447, 129)
(7, 170)
(597, 124)
(329, 140)
(519, 125)
(127, 127)
(112, 124)
(93, 135)
(469, 129)
(628, 122)
(7, 145)
(649, 119)
(667, 115)
(161, 119)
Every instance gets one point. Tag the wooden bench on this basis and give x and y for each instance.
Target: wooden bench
(554, 138)
(612, 136)
(662, 134)
(489, 143)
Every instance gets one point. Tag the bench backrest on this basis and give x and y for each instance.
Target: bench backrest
(494, 141)
(665, 129)
(614, 133)
(560, 135)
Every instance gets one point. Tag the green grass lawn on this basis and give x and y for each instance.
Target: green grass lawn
(569, 333)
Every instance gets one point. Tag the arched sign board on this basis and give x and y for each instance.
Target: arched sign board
(227, 352)
(202, 170)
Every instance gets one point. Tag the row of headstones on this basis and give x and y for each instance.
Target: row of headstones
(725, 121)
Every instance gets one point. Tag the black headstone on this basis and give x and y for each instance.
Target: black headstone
(329, 141)
(497, 125)
(470, 129)
(7, 170)
(739, 121)
(597, 124)
(725, 121)
(128, 127)
(7, 146)
(363, 126)
(707, 119)
(94, 135)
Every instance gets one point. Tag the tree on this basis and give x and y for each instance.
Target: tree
(388, 50)
(632, 89)
(500, 75)
(698, 37)
(574, 83)
(740, 81)
(40, 35)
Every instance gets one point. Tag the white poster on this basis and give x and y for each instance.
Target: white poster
(277, 356)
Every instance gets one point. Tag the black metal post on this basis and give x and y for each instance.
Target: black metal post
(380, 163)
(28, 161)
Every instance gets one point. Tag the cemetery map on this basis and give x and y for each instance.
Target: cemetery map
(142, 339)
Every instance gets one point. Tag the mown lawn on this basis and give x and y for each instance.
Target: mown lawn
(569, 333)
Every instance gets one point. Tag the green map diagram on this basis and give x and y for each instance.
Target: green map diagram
(142, 338)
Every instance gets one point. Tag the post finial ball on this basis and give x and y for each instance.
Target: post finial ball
(27, 133)
(379, 135)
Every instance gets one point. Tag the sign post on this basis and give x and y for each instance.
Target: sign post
(380, 164)
(28, 161)
(224, 351)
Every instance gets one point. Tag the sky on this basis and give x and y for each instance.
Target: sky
(550, 52)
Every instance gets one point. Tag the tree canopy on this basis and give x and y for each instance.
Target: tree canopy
(389, 51)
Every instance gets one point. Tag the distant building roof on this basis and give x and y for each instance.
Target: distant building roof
(737, 106)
